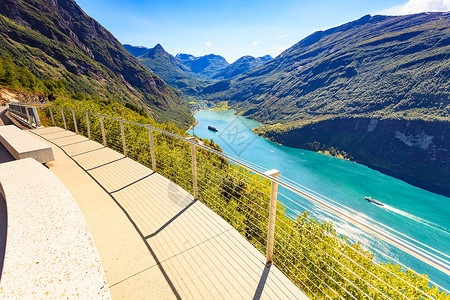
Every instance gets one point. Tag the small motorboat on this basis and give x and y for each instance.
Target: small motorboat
(376, 202)
(212, 128)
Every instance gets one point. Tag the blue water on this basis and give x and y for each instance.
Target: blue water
(422, 215)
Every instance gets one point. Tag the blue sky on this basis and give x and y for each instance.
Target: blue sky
(233, 28)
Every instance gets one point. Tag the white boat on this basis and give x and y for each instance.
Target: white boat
(370, 199)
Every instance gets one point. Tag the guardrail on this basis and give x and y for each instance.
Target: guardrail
(311, 253)
(25, 114)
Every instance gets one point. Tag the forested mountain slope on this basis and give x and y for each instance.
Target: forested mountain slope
(57, 40)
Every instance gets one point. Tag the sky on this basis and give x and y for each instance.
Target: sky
(234, 28)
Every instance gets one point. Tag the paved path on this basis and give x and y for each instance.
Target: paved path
(3, 119)
(154, 241)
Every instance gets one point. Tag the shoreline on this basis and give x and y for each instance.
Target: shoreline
(192, 126)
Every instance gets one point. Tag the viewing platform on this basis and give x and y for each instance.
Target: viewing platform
(172, 218)
(154, 241)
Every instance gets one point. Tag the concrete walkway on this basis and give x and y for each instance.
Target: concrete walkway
(3, 118)
(154, 242)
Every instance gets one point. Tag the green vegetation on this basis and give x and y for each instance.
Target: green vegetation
(20, 78)
(311, 253)
(221, 105)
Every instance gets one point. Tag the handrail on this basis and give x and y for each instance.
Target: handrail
(371, 229)
(25, 113)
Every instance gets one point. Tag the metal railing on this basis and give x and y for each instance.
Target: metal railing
(317, 259)
(25, 114)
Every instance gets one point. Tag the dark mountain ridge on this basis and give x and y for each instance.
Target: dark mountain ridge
(56, 39)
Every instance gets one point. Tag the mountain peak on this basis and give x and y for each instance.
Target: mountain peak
(158, 47)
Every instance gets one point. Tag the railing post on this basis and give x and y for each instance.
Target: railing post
(88, 126)
(51, 115)
(74, 121)
(64, 118)
(28, 116)
(124, 143)
(152, 148)
(272, 215)
(103, 130)
(194, 169)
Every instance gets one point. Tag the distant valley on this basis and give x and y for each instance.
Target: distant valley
(192, 74)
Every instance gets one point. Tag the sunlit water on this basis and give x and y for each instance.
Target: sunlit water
(422, 215)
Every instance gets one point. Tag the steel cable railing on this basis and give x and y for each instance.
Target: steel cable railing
(310, 253)
(365, 256)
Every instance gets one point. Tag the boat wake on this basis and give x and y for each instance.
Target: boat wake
(416, 218)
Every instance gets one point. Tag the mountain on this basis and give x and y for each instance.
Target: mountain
(377, 89)
(170, 70)
(241, 66)
(203, 67)
(136, 50)
(265, 58)
(55, 39)
(378, 66)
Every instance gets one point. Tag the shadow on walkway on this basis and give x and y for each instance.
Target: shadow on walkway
(3, 232)
(163, 272)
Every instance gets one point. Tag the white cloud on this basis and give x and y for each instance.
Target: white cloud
(417, 6)
(282, 36)
(208, 43)
(255, 43)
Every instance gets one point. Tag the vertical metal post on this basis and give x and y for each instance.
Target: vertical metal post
(103, 130)
(28, 116)
(51, 115)
(74, 121)
(272, 215)
(88, 125)
(194, 169)
(64, 118)
(124, 143)
(152, 148)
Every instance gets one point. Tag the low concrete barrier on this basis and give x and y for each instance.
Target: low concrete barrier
(23, 145)
(50, 252)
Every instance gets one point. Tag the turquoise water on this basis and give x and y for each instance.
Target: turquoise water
(422, 215)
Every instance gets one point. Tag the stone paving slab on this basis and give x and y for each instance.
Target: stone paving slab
(153, 240)
(50, 252)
